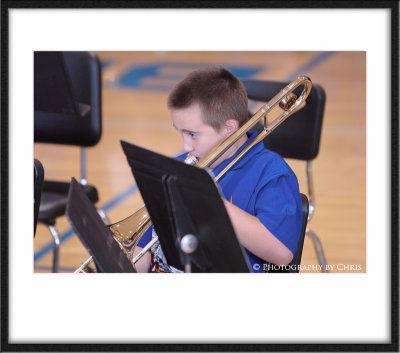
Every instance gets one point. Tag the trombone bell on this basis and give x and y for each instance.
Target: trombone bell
(130, 229)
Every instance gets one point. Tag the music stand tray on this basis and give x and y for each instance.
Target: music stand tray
(94, 234)
(183, 200)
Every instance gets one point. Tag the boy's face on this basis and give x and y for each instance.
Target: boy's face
(199, 139)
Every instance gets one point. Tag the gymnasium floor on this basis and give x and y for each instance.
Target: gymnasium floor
(135, 88)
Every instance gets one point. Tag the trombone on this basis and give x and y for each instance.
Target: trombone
(129, 231)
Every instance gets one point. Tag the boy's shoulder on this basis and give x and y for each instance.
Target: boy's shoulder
(272, 163)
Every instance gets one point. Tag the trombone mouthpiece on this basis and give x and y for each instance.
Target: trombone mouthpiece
(191, 160)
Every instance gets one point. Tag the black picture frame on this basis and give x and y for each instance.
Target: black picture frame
(6, 346)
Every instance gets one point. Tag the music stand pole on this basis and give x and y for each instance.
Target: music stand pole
(187, 242)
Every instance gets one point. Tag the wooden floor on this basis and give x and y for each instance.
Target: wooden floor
(134, 109)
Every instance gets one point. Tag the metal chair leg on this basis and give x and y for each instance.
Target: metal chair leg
(103, 216)
(313, 235)
(83, 181)
(56, 247)
(318, 249)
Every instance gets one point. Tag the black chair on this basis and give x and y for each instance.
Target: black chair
(67, 111)
(38, 173)
(294, 266)
(298, 137)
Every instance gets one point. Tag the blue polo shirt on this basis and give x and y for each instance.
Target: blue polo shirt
(262, 184)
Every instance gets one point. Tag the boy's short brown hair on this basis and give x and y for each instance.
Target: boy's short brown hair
(220, 95)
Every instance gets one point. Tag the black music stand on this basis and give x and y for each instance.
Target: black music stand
(97, 238)
(188, 214)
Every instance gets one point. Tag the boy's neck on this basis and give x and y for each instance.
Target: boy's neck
(230, 152)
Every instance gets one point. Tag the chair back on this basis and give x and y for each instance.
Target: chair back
(297, 137)
(299, 252)
(38, 172)
(67, 98)
(294, 266)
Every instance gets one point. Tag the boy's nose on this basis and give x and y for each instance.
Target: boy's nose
(187, 147)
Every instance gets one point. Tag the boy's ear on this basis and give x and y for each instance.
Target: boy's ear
(231, 126)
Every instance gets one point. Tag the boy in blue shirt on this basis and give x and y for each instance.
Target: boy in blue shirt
(261, 192)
